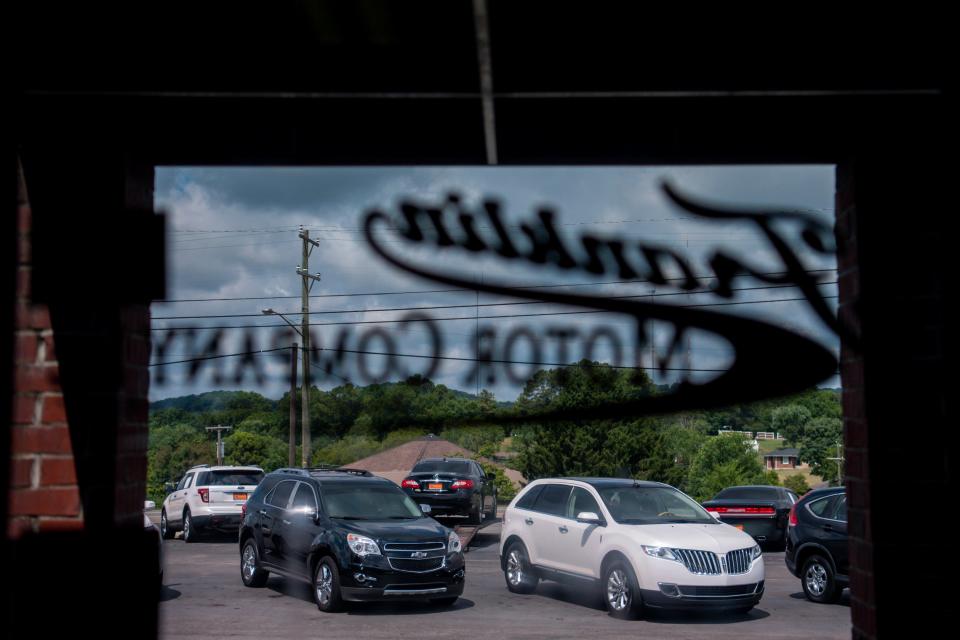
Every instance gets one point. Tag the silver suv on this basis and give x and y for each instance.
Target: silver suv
(208, 499)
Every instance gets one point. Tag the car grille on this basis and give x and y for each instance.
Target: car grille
(414, 546)
(702, 563)
(411, 565)
(738, 561)
(720, 592)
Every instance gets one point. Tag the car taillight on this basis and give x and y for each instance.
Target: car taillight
(792, 520)
(462, 484)
(410, 484)
(204, 494)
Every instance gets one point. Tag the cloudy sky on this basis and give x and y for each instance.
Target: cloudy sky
(233, 250)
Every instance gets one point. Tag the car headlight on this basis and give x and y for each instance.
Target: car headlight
(755, 553)
(453, 543)
(660, 552)
(362, 545)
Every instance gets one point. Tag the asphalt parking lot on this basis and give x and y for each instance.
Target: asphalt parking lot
(203, 597)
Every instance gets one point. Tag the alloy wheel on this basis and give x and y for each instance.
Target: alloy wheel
(514, 568)
(618, 590)
(249, 562)
(324, 585)
(816, 579)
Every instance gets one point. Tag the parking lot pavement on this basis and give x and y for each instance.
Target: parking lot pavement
(203, 597)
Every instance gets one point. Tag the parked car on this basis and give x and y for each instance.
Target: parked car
(760, 510)
(208, 499)
(349, 534)
(817, 544)
(645, 544)
(453, 486)
(153, 532)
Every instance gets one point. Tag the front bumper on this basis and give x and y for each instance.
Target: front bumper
(364, 582)
(698, 597)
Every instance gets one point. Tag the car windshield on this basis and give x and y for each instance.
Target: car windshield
(443, 466)
(230, 477)
(363, 502)
(652, 505)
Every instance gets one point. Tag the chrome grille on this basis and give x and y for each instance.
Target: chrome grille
(702, 563)
(738, 561)
(411, 565)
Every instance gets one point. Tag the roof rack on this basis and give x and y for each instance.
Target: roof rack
(356, 472)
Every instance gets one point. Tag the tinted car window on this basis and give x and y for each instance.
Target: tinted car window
(304, 500)
(460, 467)
(188, 481)
(580, 500)
(182, 482)
(841, 512)
(749, 493)
(529, 498)
(553, 500)
(365, 502)
(281, 495)
(225, 478)
(823, 507)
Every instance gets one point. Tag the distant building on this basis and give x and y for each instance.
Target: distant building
(782, 459)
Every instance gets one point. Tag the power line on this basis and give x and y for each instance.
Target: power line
(226, 355)
(514, 315)
(472, 306)
(422, 291)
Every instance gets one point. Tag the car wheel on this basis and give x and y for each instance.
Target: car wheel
(818, 580)
(165, 530)
(621, 593)
(250, 571)
(517, 570)
(326, 586)
(444, 602)
(189, 535)
(476, 513)
(493, 508)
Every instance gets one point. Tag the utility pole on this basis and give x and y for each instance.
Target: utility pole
(292, 452)
(839, 460)
(307, 280)
(219, 429)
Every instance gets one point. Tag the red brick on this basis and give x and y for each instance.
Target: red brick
(26, 348)
(51, 354)
(32, 316)
(23, 249)
(23, 281)
(54, 410)
(17, 527)
(57, 471)
(24, 409)
(21, 473)
(36, 378)
(41, 440)
(45, 502)
(23, 218)
(60, 524)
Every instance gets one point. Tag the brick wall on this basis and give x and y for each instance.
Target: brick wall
(43, 481)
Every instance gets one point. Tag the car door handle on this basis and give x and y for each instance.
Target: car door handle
(262, 512)
(529, 520)
(563, 529)
(286, 522)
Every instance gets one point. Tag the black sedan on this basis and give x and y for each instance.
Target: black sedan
(761, 511)
(817, 544)
(452, 486)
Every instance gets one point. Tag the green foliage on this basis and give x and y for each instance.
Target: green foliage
(724, 461)
(475, 438)
(820, 439)
(172, 450)
(789, 421)
(243, 447)
(505, 490)
(797, 484)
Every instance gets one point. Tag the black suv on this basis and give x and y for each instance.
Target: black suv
(817, 544)
(453, 486)
(351, 535)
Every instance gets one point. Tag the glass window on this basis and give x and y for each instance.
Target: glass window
(304, 500)
(232, 477)
(823, 507)
(748, 493)
(529, 498)
(459, 467)
(841, 512)
(280, 496)
(652, 505)
(355, 501)
(580, 500)
(180, 485)
(785, 459)
(188, 481)
(553, 500)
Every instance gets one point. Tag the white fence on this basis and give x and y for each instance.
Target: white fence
(759, 435)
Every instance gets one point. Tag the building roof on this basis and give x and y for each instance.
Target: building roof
(791, 452)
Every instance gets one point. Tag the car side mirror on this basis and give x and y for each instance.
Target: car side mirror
(149, 504)
(589, 517)
(425, 508)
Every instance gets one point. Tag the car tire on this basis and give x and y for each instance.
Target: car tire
(517, 571)
(493, 508)
(326, 586)
(252, 574)
(189, 531)
(166, 531)
(476, 513)
(444, 602)
(621, 591)
(818, 580)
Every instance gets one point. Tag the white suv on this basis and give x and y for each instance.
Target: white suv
(208, 498)
(643, 543)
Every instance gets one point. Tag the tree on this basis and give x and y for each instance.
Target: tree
(244, 447)
(727, 460)
(796, 483)
(789, 421)
(820, 439)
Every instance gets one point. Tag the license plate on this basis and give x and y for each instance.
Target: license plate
(240, 496)
(435, 487)
(739, 526)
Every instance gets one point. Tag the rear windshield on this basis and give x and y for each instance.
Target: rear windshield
(363, 502)
(459, 467)
(230, 477)
(749, 493)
